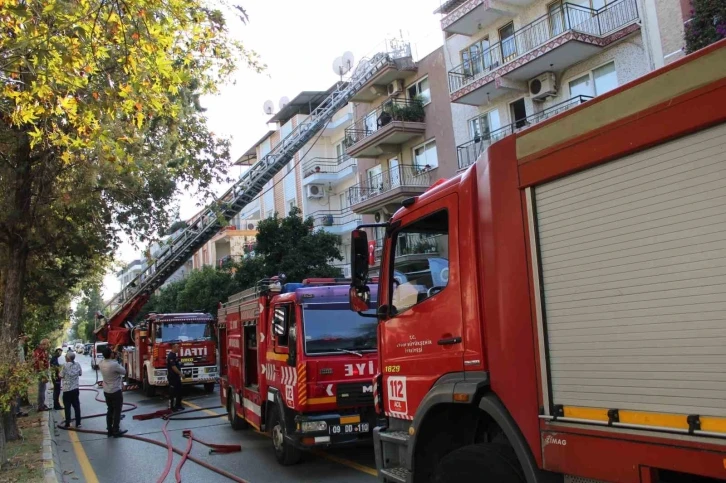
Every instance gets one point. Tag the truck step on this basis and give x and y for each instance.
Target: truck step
(395, 475)
(395, 437)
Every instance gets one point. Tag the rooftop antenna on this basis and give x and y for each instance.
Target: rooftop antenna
(268, 107)
(284, 101)
(343, 64)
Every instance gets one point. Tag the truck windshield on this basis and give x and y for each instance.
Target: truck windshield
(183, 331)
(335, 328)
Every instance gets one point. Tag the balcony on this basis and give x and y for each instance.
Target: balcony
(337, 222)
(328, 170)
(383, 130)
(386, 190)
(399, 65)
(473, 15)
(470, 151)
(555, 41)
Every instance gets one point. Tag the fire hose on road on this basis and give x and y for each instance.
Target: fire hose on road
(167, 416)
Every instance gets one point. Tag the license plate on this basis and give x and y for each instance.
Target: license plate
(349, 428)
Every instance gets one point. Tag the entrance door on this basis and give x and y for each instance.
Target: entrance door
(519, 113)
(423, 334)
(507, 42)
(394, 170)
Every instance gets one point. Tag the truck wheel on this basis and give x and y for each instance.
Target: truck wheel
(209, 387)
(149, 390)
(480, 462)
(285, 453)
(234, 420)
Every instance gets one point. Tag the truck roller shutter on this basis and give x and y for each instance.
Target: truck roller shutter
(633, 266)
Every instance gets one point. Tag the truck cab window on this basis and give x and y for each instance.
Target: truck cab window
(280, 325)
(421, 261)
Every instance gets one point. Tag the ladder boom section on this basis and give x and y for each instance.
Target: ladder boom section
(247, 188)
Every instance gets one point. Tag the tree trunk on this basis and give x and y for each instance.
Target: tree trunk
(3, 448)
(10, 426)
(18, 226)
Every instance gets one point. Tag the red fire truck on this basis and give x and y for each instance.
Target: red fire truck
(147, 345)
(296, 362)
(579, 334)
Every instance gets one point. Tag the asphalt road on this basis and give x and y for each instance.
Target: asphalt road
(94, 458)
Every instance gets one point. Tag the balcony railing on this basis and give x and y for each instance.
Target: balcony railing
(470, 151)
(405, 110)
(326, 165)
(400, 176)
(329, 218)
(598, 22)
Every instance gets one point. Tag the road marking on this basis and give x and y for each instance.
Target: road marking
(194, 406)
(346, 462)
(82, 458)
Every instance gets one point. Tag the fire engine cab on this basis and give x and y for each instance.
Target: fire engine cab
(149, 343)
(296, 362)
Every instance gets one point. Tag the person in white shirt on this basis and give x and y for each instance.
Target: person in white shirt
(69, 374)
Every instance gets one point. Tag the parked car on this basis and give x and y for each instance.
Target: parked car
(97, 355)
(87, 349)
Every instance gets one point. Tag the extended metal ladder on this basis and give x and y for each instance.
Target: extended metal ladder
(249, 186)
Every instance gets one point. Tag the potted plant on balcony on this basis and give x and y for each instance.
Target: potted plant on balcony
(328, 220)
(413, 111)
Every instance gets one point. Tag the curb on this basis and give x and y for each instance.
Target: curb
(49, 464)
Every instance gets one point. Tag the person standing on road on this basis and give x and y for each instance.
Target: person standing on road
(112, 373)
(42, 364)
(55, 369)
(70, 373)
(174, 376)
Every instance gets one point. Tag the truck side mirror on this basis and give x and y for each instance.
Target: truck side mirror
(359, 258)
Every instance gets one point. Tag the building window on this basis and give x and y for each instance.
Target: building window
(476, 58)
(270, 213)
(596, 82)
(425, 156)
(291, 204)
(420, 88)
(344, 201)
(340, 151)
(506, 40)
(482, 126)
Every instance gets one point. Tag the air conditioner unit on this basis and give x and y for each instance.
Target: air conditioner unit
(543, 86)
(395, 87)
(315, 191)
(250, 225)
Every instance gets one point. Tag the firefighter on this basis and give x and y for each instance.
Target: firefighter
(174, 376)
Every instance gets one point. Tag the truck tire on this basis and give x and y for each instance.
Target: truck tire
(480, 462)
(234, 420)
(209, 387)
(149, 390)
(285, 453)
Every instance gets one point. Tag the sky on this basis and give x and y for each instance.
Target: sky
(298, 41)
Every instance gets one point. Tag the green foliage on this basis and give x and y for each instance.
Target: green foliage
(284, 245)
(84, 317)
(14, 381)
(413, 111)
(291, 246)
(707, 25)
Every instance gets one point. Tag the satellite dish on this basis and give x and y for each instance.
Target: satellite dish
(338, 67)
(284, 101)
(348, 60)
(268, 107)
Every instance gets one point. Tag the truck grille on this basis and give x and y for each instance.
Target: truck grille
(354, 394)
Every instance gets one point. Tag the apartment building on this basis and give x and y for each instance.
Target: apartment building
(402, 136)
(512, 63)
(130, 272)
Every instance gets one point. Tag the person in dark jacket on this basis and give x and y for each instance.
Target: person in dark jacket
(55, 369)
(174, 376)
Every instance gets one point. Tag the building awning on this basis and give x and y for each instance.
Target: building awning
(304, 103)
(250, 156)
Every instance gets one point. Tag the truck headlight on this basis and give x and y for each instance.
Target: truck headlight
(159, 372)
(309, 426)
(210, 370)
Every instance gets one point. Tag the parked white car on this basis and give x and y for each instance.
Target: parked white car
(97, 355)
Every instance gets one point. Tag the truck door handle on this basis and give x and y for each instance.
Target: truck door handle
(450, 341)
